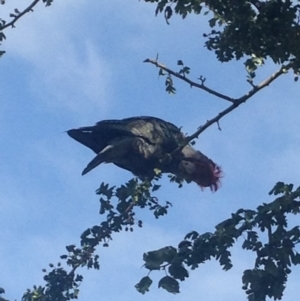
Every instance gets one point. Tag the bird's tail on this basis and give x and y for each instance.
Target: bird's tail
(100, 158)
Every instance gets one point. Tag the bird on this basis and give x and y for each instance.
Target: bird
(147, 146)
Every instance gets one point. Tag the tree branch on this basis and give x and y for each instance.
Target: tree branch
(236, 102)
(239, 101)
(18, 16)
(190, 82)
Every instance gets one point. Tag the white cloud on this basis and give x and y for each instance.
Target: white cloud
(66, 71)
(79, 84)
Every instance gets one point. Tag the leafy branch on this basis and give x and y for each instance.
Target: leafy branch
(273, 258)
(187, 80)
(16, 15)
(246, 29)
(64, 285)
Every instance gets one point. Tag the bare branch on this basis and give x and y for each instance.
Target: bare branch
(235, 101)
(239, 101)
(190, 82)
(18, 16)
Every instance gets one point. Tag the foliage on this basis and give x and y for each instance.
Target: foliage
(15, 16)
(255, 29)
(170, 88)
(274, 256)
(2, 291)
(118, 204)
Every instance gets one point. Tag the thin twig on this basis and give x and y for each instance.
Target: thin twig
(236, 102)
(187, 80)
(239, 101)
(18, 16)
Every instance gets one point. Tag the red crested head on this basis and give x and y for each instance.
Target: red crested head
(198, 168)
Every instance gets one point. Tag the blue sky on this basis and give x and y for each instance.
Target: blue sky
(78, 62)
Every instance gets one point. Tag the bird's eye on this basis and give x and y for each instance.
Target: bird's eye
(189, 166)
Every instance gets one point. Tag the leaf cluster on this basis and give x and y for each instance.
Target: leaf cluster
(2, 291)
(118, 204)
(170, 88)
(274, 254)
(256, 29)
(275, 251)
(60, 286)
(15, 16)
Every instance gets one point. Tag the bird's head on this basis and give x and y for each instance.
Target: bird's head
(196, 167)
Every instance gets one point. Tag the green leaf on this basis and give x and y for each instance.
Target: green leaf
(169, 284)
(186, 70)
(155, 187)
(169, 85)
(192, 235)
(178, 271)
(160, 211)
(70, 248)
(160, 6)
(2, 36)
(295, 258)
(105, 190)
(168, 13)
(161, 72)
(144, 284)
(212, 22)
(154, 259)
(278, 188)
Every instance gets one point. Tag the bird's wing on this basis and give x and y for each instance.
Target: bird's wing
(86, 137)
(99, 136)
(112, 153)
(152, 130)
